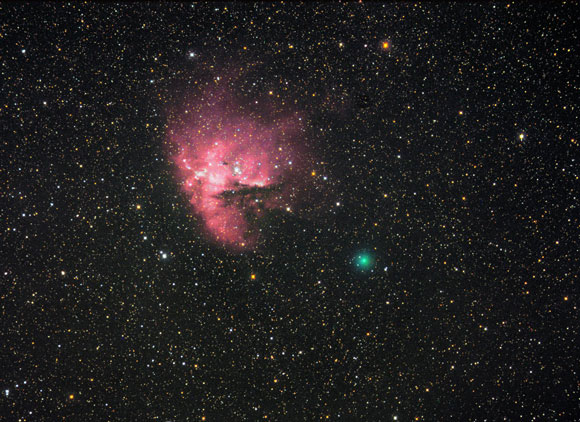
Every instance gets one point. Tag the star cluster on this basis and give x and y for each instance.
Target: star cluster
(289, 212)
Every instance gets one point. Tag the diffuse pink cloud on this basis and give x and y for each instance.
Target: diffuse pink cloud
(235, 167)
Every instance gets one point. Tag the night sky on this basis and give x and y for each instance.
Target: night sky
(289, 212)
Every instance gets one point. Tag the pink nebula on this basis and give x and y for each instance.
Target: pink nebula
(234, 167)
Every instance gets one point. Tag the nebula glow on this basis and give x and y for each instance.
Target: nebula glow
(235, 167)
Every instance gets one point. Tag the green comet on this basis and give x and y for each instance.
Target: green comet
(364, 261)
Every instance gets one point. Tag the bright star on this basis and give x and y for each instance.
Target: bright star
(386, 45)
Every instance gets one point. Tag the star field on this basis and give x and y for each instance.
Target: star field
(289, 212)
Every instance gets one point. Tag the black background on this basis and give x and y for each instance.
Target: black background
(470, 311)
